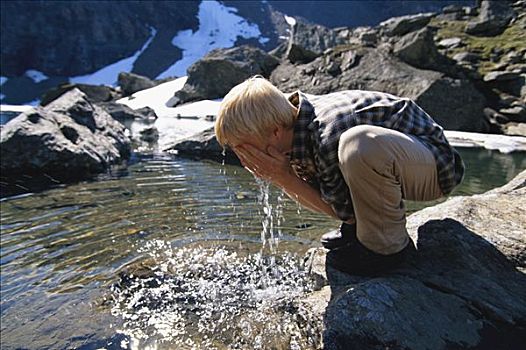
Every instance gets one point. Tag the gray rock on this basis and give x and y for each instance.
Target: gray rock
(314, 38)
(505, 81)
(515, 114)
(131, 83)
(493, 18)
(149, 135)
(122, 112)
(513, 57)
(368, 38)
(457, 96)
(450, 43)
(494, 116)
(466, 57)
(298, 54)
(215, 74)
(419, 50)
(204, 146)
(500, 76)
(515, 129)
(349, 60)
(308, 41)
(464, 287)
(455, 104)
(494, 121)
(71, 138)
(405, 24)
(94, 93)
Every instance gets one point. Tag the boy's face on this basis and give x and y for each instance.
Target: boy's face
(255, 142)
(280, 139)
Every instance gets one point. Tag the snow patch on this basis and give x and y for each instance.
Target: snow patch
(155, 97)
(219, 27)
(501, 143)
(109, 74)
(290, 20)
(158, 96)
(35, 75)
(15, 108)
(168, 123)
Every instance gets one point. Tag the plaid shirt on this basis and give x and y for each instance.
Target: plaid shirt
(323, 119)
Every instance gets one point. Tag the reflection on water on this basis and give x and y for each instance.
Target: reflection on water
(485, 170)
(67, 253)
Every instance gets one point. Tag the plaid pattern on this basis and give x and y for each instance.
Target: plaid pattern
(322, 120)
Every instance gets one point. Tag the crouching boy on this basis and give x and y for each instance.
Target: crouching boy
(353, 155)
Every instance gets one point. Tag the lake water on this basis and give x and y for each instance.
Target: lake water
(168, 254)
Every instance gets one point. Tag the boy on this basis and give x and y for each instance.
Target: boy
(353, 155)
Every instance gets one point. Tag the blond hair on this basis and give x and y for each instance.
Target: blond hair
(252, 109)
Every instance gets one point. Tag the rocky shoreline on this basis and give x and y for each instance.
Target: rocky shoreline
(464, 288)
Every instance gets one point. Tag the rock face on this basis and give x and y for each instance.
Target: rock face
(308, 41)
(377, 69)
(464, 287)
(493, 18)
(204, 146)
(222, 69)
(69, 139)
(75, 38)
(418, 49)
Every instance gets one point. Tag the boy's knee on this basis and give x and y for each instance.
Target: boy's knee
(360, 146)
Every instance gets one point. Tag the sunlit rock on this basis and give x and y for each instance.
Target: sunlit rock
(464, 288)
(69, 139)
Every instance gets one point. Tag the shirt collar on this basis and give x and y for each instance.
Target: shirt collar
(301, 145)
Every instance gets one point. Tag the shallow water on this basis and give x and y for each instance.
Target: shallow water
(168, 254)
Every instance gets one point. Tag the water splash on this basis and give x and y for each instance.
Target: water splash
(272, 217)
(214, 298)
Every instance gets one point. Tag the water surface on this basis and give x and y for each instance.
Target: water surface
(168, 254)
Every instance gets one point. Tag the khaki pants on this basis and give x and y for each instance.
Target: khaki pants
(382, 167)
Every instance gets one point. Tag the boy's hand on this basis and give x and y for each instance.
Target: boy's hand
(272, 166)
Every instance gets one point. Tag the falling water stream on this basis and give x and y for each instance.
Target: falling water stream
(171, 254)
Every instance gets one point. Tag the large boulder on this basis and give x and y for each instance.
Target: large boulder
(204, 145)
(493, 18)
(405, 24)
(215, 74)
(94, 93)
(507, 82)
(454, 103)
(464, 287)
(308, 41)
(122, 112)
(419, 50)
(131, 83)
(70, 138)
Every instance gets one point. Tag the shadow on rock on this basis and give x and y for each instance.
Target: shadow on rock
(457, 291)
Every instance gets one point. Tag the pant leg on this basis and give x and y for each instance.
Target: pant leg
(382, 167)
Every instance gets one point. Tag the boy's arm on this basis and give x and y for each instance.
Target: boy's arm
(274, 167)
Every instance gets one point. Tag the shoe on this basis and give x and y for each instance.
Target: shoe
(339, 238)
(356, 259)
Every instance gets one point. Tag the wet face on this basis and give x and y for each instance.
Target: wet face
(280, 139)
